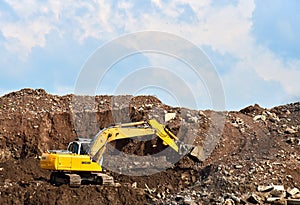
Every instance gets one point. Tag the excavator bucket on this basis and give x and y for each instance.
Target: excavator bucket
(163, 133)
(170, 139)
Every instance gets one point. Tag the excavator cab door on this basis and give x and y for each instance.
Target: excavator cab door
(84, 147)
(74, 147)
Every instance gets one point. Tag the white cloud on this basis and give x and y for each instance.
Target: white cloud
(34, 20)
(220, 27)
(21, 38)
(32, 23)
(157, 3)
(271, 68)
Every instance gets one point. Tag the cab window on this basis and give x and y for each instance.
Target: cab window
(73, 147)
(84, 147)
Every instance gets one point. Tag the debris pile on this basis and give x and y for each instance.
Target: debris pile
(251, 157)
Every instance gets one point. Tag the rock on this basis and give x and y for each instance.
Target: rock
(291, 140)
(254, 199)
(242, 130)
(192, 119)
(237, 122)
(169, 116)
(163, 195)
(150, 190)
(296, 196)
(228, 202)
(188, 201)
(293, 201)
(185, 176)
(264, 188)
(234, 198)
(278, 191)
(238, 166)
(272, 199)
(260, 117)
(179, 198)
(273, 117)
(293, 191)
(158, 195)
(198, 152)
(148, 106)
(134, 185)
(136, 163)
(276, 200)
(201, 113)
(289, 130)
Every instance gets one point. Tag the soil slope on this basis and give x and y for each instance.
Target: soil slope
(254, 146)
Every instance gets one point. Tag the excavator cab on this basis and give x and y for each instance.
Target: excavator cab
(80, 146)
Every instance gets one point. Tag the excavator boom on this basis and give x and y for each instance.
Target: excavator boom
(129, 130)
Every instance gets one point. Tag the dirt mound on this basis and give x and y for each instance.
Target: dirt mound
(252, 147)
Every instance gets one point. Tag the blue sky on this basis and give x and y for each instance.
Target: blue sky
(254, 46)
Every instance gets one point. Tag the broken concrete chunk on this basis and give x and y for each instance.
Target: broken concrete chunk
(278, 191)
(293, 191)
(198, 152)
(202, 113)
(169, 116)
(264, 188)
(260, 117)
(238, 166)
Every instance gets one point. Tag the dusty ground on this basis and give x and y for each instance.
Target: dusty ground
(257, 146)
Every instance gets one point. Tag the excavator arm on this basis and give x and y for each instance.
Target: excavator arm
(130, 130)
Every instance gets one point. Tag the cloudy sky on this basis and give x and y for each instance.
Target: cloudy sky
(253, 45)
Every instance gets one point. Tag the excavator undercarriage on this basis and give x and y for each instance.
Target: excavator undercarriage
(76, 179)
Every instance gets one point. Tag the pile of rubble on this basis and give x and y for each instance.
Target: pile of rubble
(275, 194)
(239, 151)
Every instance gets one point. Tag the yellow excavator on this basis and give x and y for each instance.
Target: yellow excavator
(82, 161)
